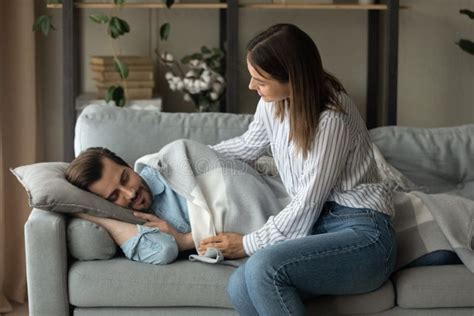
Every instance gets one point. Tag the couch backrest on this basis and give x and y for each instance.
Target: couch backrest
(134, 133)
(441, 159)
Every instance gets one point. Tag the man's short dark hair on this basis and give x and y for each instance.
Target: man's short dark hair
(86, 168)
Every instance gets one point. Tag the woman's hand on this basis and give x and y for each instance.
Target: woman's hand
(184, 241)
(230, 244)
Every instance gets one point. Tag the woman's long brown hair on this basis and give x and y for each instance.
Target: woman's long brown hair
(289, 55)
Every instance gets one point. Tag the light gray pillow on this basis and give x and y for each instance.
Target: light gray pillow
(89, 241)
(49, 190)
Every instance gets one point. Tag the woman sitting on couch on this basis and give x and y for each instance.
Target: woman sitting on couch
(335, 237)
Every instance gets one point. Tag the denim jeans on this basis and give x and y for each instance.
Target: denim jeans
(350, 251)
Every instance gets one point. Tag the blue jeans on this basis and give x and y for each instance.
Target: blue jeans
(350, 251)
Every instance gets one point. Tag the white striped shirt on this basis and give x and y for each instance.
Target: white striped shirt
(339, 168)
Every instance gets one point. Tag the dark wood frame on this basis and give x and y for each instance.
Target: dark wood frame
(378, 57)
(70, 74)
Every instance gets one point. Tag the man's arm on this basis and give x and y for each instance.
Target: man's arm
(119, 231)
(184, 241)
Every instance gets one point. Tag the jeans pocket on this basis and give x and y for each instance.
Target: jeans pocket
(346, 212)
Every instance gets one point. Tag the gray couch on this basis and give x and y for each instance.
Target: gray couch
(60, 285)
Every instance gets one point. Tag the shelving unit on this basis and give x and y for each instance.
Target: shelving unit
(376, 82)
(147, 5)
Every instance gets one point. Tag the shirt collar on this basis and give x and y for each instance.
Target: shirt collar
(152, 179)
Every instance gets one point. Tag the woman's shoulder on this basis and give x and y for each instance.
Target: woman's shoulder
(344, 112)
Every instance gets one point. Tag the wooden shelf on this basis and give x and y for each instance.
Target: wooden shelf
(309, 6)
(296, 6)
(141, 5)
(382, 51)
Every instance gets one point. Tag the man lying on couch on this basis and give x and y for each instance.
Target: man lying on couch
(219, 194)
(158, 241)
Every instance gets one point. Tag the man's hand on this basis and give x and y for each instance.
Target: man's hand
(155, 221)
(184, 241)
(230, 244)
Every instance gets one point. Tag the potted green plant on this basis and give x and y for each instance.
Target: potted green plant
(116, 27)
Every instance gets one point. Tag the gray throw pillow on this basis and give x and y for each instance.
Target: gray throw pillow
(89, 241)
(49, 190)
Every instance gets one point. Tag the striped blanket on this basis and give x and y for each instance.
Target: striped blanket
(428, 222)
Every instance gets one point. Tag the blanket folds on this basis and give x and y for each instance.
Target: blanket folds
(225, 195)
(222, 194)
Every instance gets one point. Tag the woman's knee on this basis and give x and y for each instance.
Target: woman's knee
(263, 268)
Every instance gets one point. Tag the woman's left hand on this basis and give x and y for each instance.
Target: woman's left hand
(230, 244)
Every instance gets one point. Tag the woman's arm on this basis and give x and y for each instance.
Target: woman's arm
(322, 169)
(320, 174)
(252, 144)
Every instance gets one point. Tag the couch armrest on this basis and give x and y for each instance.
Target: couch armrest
(46, 264)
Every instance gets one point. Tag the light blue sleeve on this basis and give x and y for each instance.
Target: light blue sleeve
(151, 246)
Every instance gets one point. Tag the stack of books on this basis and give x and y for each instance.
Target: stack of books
(139, 82)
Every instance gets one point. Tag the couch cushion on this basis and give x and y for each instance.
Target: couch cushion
(133, 133)
(89, 241)
(439, 159)
(121, 282)
(373, 302)
(436, 286)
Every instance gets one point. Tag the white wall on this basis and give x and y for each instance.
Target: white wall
(436, 78)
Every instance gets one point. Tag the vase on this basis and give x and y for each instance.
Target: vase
(208, 106)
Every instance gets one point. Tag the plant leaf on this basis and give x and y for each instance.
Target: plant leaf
(119, 96)
(99, 18)
(124, 25)
(165, 31)
(466, 45)
(121, 68)
(116, 94)
(185, 59)
(116, 22)
(205, 50)
(110, 93)
(169, 3)
(119, 2)
(196, 56)
(113, 32)
(43, 24)
(467, 12)
(116, 27)
(45, 28)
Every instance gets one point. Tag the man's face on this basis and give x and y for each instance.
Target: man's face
(122, 186)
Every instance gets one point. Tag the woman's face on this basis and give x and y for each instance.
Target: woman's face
(269, 89)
